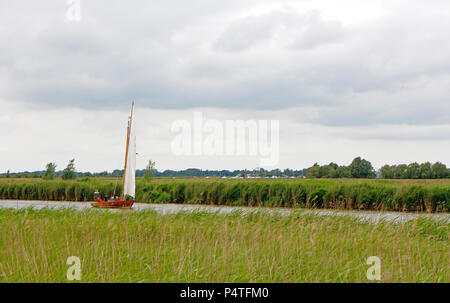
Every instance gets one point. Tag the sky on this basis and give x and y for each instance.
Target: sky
(343, 78)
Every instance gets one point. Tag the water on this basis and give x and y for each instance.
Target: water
(373, 216)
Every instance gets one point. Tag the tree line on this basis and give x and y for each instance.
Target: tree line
(150, 171)
(358, 168)
(361, 168)
(415, 170)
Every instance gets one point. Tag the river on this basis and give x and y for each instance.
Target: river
(373, 216)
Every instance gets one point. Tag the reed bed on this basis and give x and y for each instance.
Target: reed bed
(396, 195)
(203, 247)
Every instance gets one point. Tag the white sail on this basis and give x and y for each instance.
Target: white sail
(129, 186)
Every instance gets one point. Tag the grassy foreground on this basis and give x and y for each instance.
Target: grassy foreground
(200, 247)
(397, 195)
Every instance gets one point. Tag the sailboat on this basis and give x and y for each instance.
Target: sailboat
(129, 172)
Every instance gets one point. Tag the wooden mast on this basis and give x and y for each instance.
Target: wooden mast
(126, 150)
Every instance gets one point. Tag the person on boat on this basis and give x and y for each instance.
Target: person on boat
(99, 199)
(117, 198)
(106, 198)
(112, 199)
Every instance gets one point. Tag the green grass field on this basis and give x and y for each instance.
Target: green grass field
(144, 246)
(374, 194)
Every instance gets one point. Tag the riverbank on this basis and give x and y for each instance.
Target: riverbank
(360, 194)
(163, 209)
(146, 246)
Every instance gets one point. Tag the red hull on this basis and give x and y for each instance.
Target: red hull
(115, 204)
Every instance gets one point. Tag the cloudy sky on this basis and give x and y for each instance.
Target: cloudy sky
(344, 78)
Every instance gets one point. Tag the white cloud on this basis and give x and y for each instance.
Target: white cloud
(95, 138)
(336, 66)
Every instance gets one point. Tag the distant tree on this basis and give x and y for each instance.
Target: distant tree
(355, 167)
(314, 171)
(117, 173)
(8, 174)
(401, 171)
(425, 171)
(333, 165)
(288, 172)
(343, 172)
(69, 172)
(333, 172)
(327, 171)
(413, 171)
(101, 174)
(274, 172)
(439, 170)
(387, 172)
(261, 172)
(149, 170)
(361, 168)
(50, 173)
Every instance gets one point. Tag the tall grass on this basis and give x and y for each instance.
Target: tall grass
(397, 195)
(204, 247)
